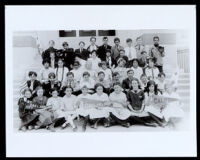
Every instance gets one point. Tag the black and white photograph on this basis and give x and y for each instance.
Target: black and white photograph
(90, 80)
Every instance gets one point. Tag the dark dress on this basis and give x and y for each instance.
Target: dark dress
(36, 83)
(135, 99)
(27, 116)
(101, 52)
(45, 117)
(49, 86)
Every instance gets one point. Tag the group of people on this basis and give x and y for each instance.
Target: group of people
(100, 85)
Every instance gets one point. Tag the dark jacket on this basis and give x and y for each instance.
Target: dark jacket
(84, 54)
(46, 53)
(36, 83)
(48, 88)
(101, 52)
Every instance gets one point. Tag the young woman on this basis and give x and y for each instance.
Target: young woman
(55, 106)
(152, 108)
(119, 111)
(137, 70)
(95, 60)
(26, 111)
(135, 98)
(45, 117)
(100, 102)
(61, 71)
(44, 72)
(69, 108)
(83, 107)
(50, 84)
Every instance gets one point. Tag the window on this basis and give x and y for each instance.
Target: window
(84, 33)
(106, 32)
(67, 33)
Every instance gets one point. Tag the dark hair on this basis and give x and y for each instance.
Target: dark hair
(65, 43)
(156, 37)
(25, 90)
(121, 50)
(115, 74)
(77, 55)
(161, 74)
(46, 61)
(94, 51)
(143, 52)
(135, 59)
(76, 62)
(39, 87)
(135, 79)
(105, 38)
(150, 59)
(32, 73)
(65, 87)
(52, 41)
(101, 72)
(138, 38)
(86, 73)
(51, 75)
(116, 39)
(81, 42)
(102, 63)
(92, 38)
(128, 40)
(97, 85)
(108, 50)
(149, 83)
(70, 73)
(60, 59)
(143, 75)
(54, 89)
(130, 70)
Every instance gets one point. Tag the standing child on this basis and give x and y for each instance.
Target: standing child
(61, 71)
(26, 112)
(69, 108)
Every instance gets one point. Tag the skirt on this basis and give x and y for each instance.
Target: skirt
(28, 119)
(45, 118)
(98, 112)
(154, 110)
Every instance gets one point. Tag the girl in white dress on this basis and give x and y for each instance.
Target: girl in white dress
(61, 71)
(106, 70)
(119, 111)
(100, 102)
(69, 108)
(137, 70)
(95, 60)
(121, 69)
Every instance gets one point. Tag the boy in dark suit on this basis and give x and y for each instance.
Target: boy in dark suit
(101, 52)
(92, 45)
(82, 51)
(46, 53)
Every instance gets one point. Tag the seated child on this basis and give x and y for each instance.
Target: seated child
(107, 71)
(45, 117)
(44, 72)
(77, 71)
(69, 108)
(61, 71)
(142, 61)
(87, 81)
(101, 79)
(161, 82)
(26, 111)
(127, 83)
(151, 71)
(121, 69)
(115, 79)
(78, 58)
(88, 68)
(143, 80)
(137, 70)
(33, 83)
(50, 84)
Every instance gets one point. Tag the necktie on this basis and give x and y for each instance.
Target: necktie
(152, 73)
(81, 50)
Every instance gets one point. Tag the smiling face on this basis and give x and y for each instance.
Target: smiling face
(60, 63)
(93, 41)
(130, 74)
(135, 64)
(84, 90)
(46, 65)
(151, 88)
(144, 79)
(32, 77)
(27, 94)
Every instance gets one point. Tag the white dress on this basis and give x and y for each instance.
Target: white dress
(44, 73)
(117, 108)
(173, 108)
(57, 106)
(98, 108)
(95, 63)
(61, 73)
(108, 74)
(122, 72)
(137, 72)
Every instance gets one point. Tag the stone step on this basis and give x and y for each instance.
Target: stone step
(184, 94)
(183, 87)
(184, 81)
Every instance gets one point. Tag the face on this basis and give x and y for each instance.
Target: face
(117, 89)
(54, 94)
(135, 64)
(46, 65)
(104, 66)
(122, 53)
(156, 41)
(144, 79)
(117, 43)
(108, 54)
(76, 66)
(84, 91)
(151, 64)
(77, 59)
(27, 94)
(60, 63)
(40, 92)
(144, 55)
(52, 78)
(70, 77)
(130, 74)
(68, 92)
(52, 55)
(161, 78)
(81, 45)
(33, 77)
(105, 41)
(121, 64)
(99, 90)
(151, 88)
(117, 77)
(129, 43)
(93, 41)
(135, 85)
(101, 76)
(139, 41)
(86, 77)
(65, 46)
(51, 44)
(94, 55)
